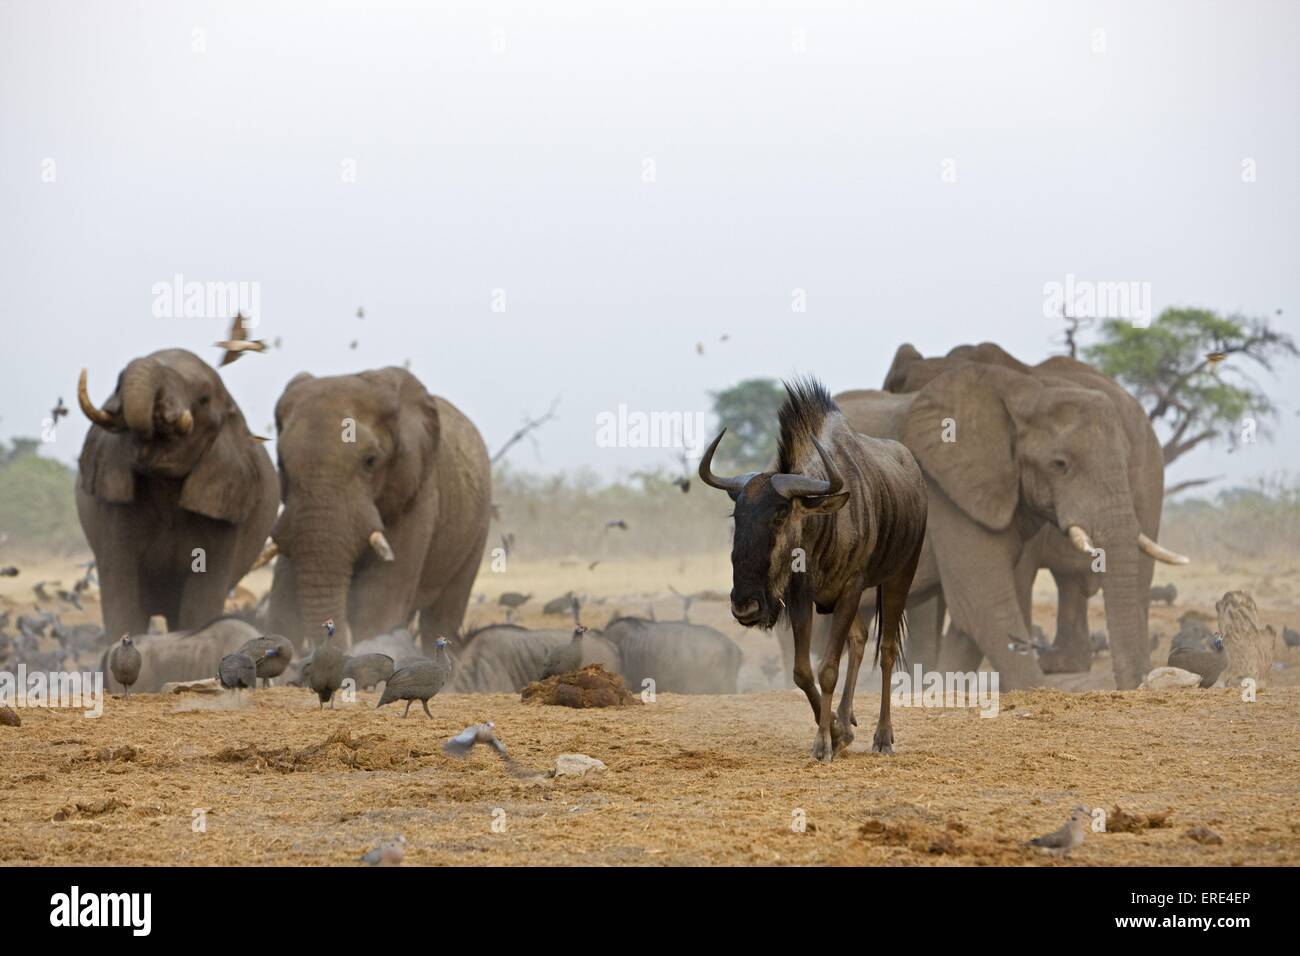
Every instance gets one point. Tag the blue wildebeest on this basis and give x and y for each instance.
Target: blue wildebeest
(841, 513)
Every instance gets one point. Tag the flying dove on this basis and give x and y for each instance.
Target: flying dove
(238, 342)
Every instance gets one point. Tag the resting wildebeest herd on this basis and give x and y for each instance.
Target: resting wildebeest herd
(923, 511)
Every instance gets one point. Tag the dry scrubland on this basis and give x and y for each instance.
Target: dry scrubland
(691, 780)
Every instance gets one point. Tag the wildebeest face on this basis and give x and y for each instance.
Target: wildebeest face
(763, 523)
(770, 508)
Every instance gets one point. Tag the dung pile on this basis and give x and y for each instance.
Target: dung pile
(593, 686)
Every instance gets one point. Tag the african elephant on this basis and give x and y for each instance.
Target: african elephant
(387, 498)
(1006, 453)
(169, 467)
(1050, 548)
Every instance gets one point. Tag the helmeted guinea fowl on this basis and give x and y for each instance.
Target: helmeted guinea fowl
(124, 663)
(566, 658)
(237, 671)
(420, 680)
(271, 654)
(326, 674)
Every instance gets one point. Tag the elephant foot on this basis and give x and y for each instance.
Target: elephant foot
(884, 740)
(1065, 661)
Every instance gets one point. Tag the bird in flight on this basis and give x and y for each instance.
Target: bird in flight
(238, 342)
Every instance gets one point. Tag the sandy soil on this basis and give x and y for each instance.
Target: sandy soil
(703, 780)
(691, 780)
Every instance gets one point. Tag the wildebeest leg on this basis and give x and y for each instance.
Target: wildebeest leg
(829, 732)
(857, 643)
(893, 602)
(801, 624)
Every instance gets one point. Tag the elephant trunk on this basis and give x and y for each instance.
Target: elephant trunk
(141, 383)
(1125, 611)
(325, 547)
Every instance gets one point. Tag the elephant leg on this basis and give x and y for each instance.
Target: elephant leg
(958, 653)
(203, 595)
(1071, 652)
(121, 599)
(925, 630)
(1026, 574)
(977, 567)
(445, 616)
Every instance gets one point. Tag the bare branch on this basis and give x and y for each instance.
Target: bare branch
(529, 426)
(1174, 450)
(1193, 483)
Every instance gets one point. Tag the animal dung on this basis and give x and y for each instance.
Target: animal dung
(593, 686)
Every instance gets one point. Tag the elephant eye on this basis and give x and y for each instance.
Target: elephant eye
(204, 400)
(371, 460)
(1060, 465)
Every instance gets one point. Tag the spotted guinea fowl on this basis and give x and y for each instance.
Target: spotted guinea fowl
(419, 680)
(124, 663)
(272, 654)
(326, 674)
(1206, 658)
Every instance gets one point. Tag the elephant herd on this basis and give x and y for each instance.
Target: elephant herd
(386, 494)
(378, 506)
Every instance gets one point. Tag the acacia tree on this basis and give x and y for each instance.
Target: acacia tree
(748, 411)
(1187, 370)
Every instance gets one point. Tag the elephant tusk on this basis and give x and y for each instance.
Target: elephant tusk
(96, 415)
(184, 422)
(1161, 554)
(381, 546)
(1079, 538)
(268, 554)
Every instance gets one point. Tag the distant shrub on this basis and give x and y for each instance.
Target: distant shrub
(38, 508)
(1259, 519)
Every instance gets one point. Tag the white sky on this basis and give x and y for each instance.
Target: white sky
(521, 169)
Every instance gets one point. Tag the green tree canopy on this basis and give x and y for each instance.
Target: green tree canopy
(1187, 370)
(37, 501)
(748, 411)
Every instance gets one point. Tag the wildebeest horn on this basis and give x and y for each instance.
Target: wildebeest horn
(1161, 553)
(268, 553)
(1079, 538)
(802, 486)
(730, 485)
(96, 415)
(381, 545)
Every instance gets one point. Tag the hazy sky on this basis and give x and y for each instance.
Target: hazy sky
(413, 158)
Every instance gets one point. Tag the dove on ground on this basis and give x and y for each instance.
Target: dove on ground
(1069, 836)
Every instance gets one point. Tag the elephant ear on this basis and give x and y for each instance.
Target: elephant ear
(963, 436)
(105, 466)
(417, 430)
(222, 485)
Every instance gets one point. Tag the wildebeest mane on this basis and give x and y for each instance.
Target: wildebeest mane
(801, 418)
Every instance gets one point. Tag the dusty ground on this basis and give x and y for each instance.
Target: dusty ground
(712, 780)
(692, 780)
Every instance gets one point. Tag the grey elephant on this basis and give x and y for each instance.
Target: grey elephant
(1007, 453)
(387, 498)
(1050, 548)
(174, 493)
